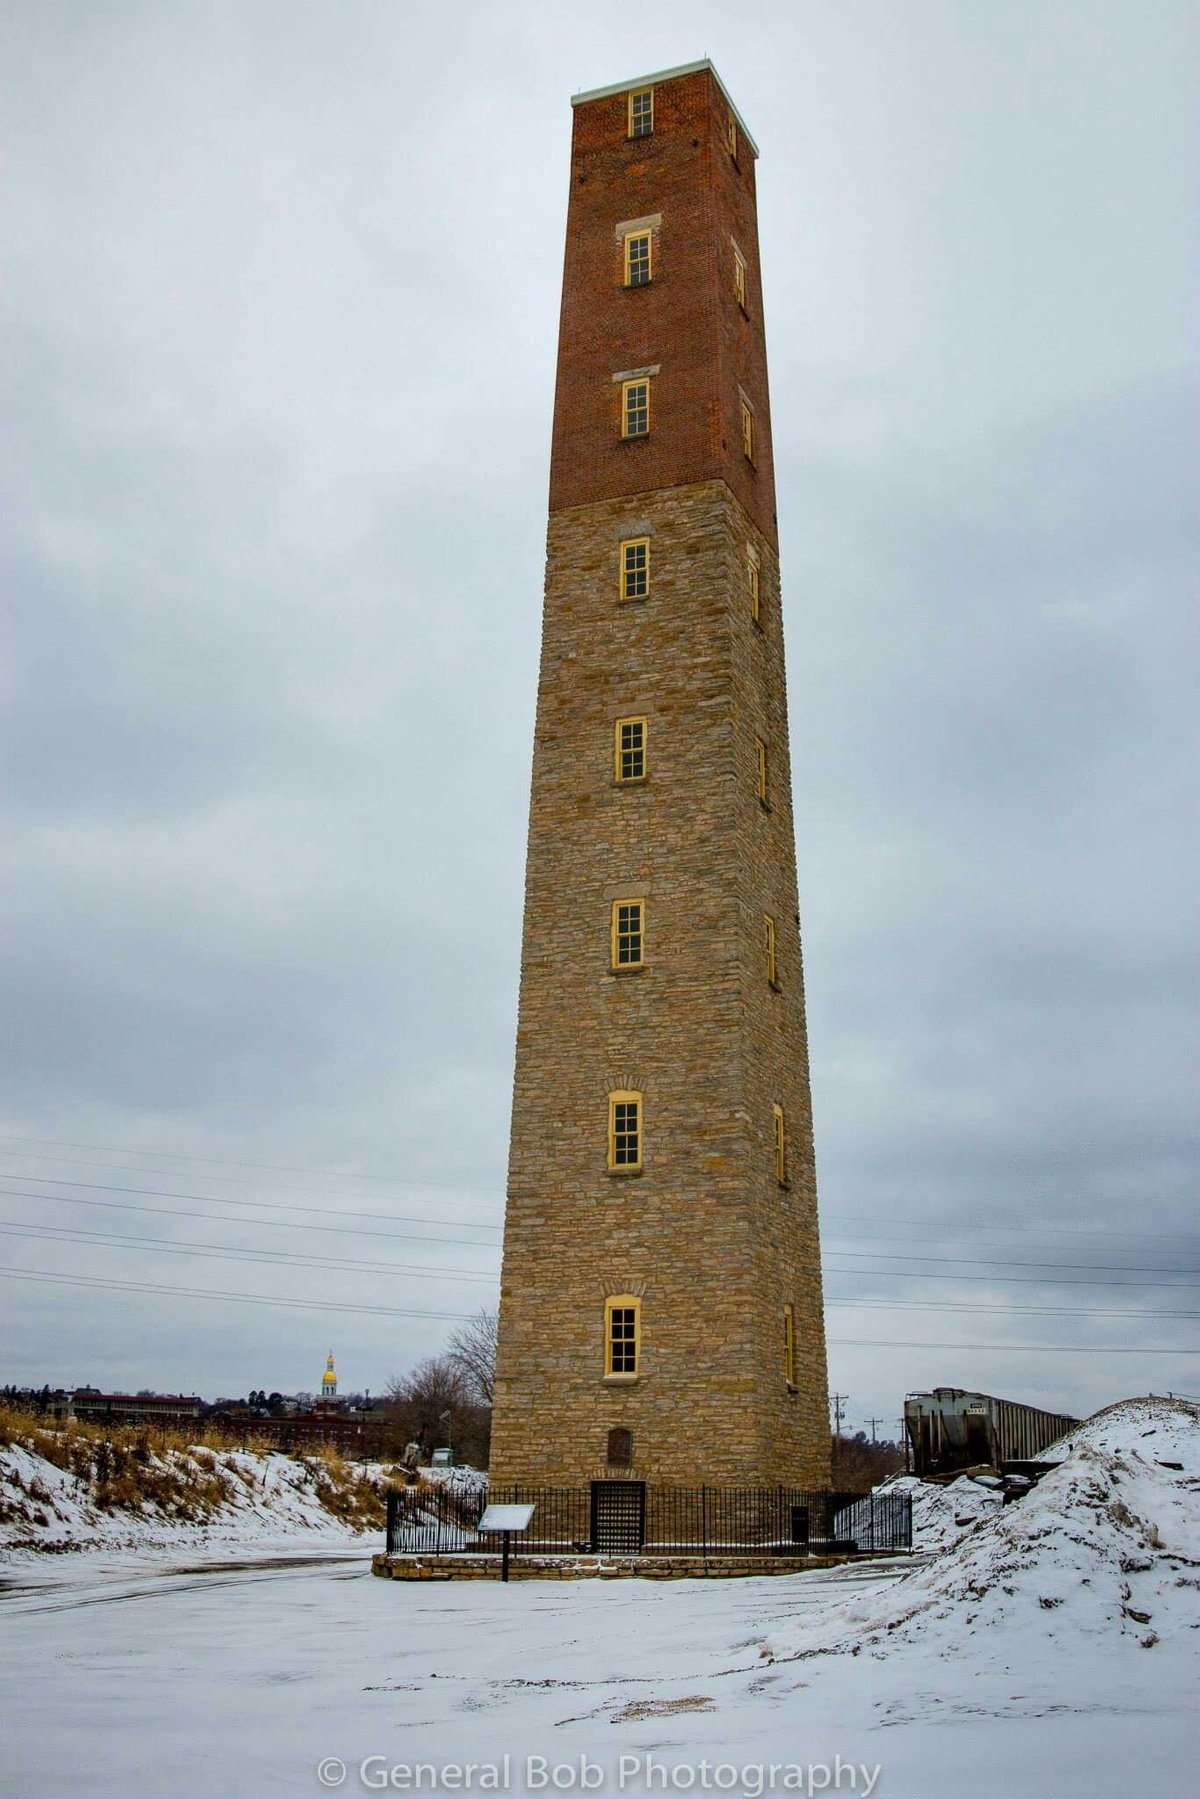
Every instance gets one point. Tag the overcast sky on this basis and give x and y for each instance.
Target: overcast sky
(278, 326)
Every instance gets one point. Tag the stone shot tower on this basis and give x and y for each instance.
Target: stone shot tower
(661, 1317)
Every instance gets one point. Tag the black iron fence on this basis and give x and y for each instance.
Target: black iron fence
(631, 1518)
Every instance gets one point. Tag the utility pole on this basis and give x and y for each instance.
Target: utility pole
(837, 1401)
(873, 1422)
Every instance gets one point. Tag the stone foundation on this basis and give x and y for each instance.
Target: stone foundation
(602, 1567)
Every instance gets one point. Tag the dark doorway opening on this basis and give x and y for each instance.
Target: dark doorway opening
(618, 1517)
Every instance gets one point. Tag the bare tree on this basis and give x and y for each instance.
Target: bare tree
(472, 1351)
(435, 1404)
(862, 1464)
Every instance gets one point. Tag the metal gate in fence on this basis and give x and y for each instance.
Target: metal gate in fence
(618, 1517)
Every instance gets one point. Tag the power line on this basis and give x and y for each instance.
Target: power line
(213, 1252)
(258, 1299)
(497, 1191)
(172, 1155)
(83, 1280)
(285, 1258)
(262, 1205)
(949, 1226)
(327, 1212)
(1001, 1280)
(275, 1224)
(994, 1280)
(949, 1305)
(230, 1179)
(1041, 1348)
(866, 1255)
(242, 1251)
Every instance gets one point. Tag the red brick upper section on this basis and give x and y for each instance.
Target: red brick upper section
(709, 352)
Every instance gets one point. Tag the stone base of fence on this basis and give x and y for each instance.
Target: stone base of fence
(603, 1567)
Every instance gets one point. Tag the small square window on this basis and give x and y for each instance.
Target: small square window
(625, 1130)
(630, 749)
(739, 280)
(760, 754)
(635, 408)
(635, 568)
(747, 432)
(628, 932)
(637, 259)
(641, 112)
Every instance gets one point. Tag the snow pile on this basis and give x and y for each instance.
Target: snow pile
(459, 1481)
(1103, 1553)
(175, 1496)
(941, 1514)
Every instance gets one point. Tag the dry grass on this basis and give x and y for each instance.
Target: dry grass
(184, 1473)
(345, 1491)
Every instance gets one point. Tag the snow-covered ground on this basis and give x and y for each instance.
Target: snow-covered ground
(1049, 1648)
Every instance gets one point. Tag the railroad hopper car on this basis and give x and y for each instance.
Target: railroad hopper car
(950, 1429)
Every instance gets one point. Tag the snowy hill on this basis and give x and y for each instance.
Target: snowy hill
(93, 1495)
(1101, 1558)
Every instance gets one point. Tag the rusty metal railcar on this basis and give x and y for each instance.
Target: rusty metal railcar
(950, 1428)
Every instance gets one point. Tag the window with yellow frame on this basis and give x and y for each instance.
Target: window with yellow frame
(624, 1131)
(629, 750)
(635, 568)
(638, 259)
(628, 932)
(754, 584)
(780, 1146)
(635, 408)
(747, 432)
(731, 133)
(789, 1345)
(769, 934)
(760, 761)
(622, 1334)
(739, 279)
(641, 112)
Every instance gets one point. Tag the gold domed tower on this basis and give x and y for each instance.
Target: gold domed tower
(329, 1379)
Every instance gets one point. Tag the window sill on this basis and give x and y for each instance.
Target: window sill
(792, 1388)
(765, 804)
(633, 599)
(624, 1174)
(756, 621)
(621, 1380)
(641, 438)
(775, 986)
(784, 1186)
(629, 968)
(634, 781)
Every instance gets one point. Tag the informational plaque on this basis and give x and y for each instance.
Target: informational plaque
(506, 1517)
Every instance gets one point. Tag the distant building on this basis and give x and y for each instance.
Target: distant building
(329, 1381)
(135, 1408)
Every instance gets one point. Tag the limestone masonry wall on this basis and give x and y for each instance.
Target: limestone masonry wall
(704, 1233)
